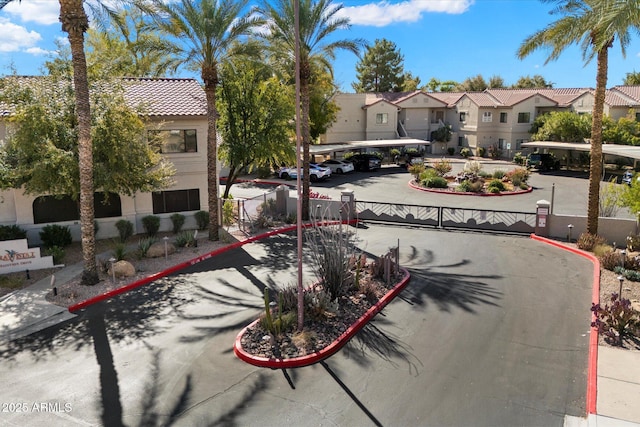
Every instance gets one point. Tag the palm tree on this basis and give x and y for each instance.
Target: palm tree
(318, 20)
(75, 23)
(206, 31)
(594, 25)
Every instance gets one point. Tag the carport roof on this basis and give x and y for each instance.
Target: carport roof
(357, 145)
(630, 151)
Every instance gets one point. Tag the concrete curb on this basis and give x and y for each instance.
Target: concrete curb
(331, 349)
(592, 374)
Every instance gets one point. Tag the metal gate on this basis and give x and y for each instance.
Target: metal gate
(447, 217)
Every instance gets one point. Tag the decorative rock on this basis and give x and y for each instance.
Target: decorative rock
(157, 250)
(123, 269)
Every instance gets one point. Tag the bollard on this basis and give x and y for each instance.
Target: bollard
(53, 282)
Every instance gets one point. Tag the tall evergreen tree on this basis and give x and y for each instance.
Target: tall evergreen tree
(535, 82)
(381, 69)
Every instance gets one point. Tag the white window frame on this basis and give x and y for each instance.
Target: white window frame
(382, 118)
(487, 117)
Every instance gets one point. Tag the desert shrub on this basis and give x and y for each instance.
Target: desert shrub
(633, 242)
(469, 186)
(485, 174)
(495, 152)
(465, 152)
(602, 249)
(227, 211)
(318, 304)
(202, 219)
(151, 224)
(609, 260)
(519, 159)
(144, 245)
(498, 174)
(482, 151)
(416, 170)
(464, 187)
(434, 182)
(278, 322)
(55, 235)
(119, 251)
(472, 166)
(522, 186)
(617, 320)
(611, 198)
(11, 282)
(177, 221)
(289, 297)
(125, 229)
(426, 174)
(451, 151)
(12, 232)
(57, 253)
(185, 239)
(587, 241)
(628, 274)
(518, 176)
(442, 167)
(497, 184)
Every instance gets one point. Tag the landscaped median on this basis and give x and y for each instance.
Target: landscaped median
(329, 350)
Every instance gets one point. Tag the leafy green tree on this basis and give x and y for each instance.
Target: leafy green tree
(323, 110)
(318, 22)
(594, 25)
(381, 68)
(255, 112)
(632, 78)
(631, 197)
(410, 83)
(442, 134)
(564, 126)
(206, 31)
(535, 82)
(41, 150)
(435, 85)
(625, 131)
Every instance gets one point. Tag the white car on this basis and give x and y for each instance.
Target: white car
(316, 172)
(338, 166)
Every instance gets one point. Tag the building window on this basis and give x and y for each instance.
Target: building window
(524, 117)
(502, 144)
(460, 141)
(382, 118)
(503, 117)
(176, 140)
(463, 116)
(487, 117)
(57, 209)
(176, 201)
(519, 144)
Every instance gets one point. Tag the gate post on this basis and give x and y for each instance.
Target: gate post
(347, 205)
(542, 218)
(281, 199)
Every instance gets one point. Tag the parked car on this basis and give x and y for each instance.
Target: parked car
(338, 166)
(316, 172)
(627, 177)
(542, 161)
(365, 161)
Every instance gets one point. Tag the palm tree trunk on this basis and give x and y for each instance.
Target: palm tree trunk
(595, 170)
(210, 79)
(75, 23)
(305, 76)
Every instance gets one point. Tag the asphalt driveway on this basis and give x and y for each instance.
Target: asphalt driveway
(491, 330)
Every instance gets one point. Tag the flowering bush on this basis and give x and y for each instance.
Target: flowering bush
(616, 320)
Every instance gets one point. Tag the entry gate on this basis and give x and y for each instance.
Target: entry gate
(447, 217)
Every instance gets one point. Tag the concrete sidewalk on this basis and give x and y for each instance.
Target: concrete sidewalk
(26, 311)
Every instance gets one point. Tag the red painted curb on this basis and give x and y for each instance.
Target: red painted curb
(592, 374)
(298, 362)
(461, 193)
(256, 181)
(133, 285)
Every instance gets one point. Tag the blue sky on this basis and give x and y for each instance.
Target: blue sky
(445, 39)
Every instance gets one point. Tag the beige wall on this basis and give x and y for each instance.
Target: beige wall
(350, 123)
(381, 130)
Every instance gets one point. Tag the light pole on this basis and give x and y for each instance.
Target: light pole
(621, 279)
(623, 255)
(570, 227)
(166, 248)
(112, 260)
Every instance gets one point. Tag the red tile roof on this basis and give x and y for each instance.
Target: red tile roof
(167, 96)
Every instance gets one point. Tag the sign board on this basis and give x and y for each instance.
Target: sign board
(15, 255)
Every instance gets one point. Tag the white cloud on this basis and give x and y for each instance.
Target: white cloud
(385, 13)
(38, 51)
(45, 12)
(15, 37)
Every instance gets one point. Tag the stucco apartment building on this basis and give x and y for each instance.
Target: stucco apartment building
(494, 117)
(176, 107)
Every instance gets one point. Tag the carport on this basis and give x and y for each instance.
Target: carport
(631, 152)
(333, 149)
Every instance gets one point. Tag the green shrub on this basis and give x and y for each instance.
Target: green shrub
(185, 239)
(119, 251)
(472, 167)
(56, 252)
(497, 185)
(202, 219)
(518, 176)
(482, 151)
(151, 224)
(416, 170)
(55, 235)
(498, 174)
(464, 187)
(12, 232)
(144, 245)
(434, 182)
(587, 241)
(633, 242)
(451, 151)
(465, 152)
(484, 174)
(609, 259)
(227, 212)
(278, 322)
(519, 159)
(263, 172)
(631, 275)
(177, 220)
(125, 229)
(602, 249)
